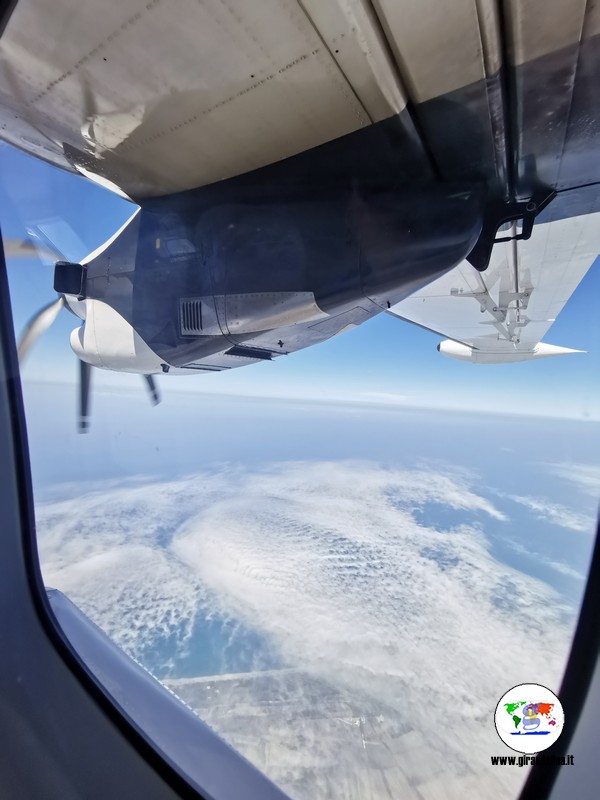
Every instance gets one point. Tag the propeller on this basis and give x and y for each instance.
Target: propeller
(38, 325)
(42, 321)
(25, 248)
(85, 378)
(14, 248)
(154, 394)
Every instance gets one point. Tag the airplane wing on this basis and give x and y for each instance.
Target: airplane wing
(152, 98)
(501, 315)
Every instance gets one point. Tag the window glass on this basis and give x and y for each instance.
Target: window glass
(340, 559)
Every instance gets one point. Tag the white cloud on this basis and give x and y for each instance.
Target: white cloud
(557, 514)
(585, 476)
(329, 562)
(558, 566)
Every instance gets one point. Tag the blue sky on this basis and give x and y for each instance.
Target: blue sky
(383, 361)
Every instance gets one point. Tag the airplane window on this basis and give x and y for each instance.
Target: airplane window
(340, 551)
(340, 560)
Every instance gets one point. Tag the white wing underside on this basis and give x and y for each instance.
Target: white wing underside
(162, 96)
(511, 305)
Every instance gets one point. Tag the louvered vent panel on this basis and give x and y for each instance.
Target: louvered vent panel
(190, 316)
(249, 352)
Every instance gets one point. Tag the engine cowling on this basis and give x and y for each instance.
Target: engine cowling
(108, 341)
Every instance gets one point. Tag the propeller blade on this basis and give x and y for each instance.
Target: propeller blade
(85, 375)
(154, 394)
(23, 248)
(38, 325)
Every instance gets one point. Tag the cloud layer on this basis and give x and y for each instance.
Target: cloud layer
(557, 514)
(329, 563)
(585, 476)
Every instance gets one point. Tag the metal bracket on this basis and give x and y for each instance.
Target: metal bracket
(522, 297)
(497, 214)
(486, 303)
(508, 330)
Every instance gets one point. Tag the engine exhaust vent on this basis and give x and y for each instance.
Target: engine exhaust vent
(190, 317)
